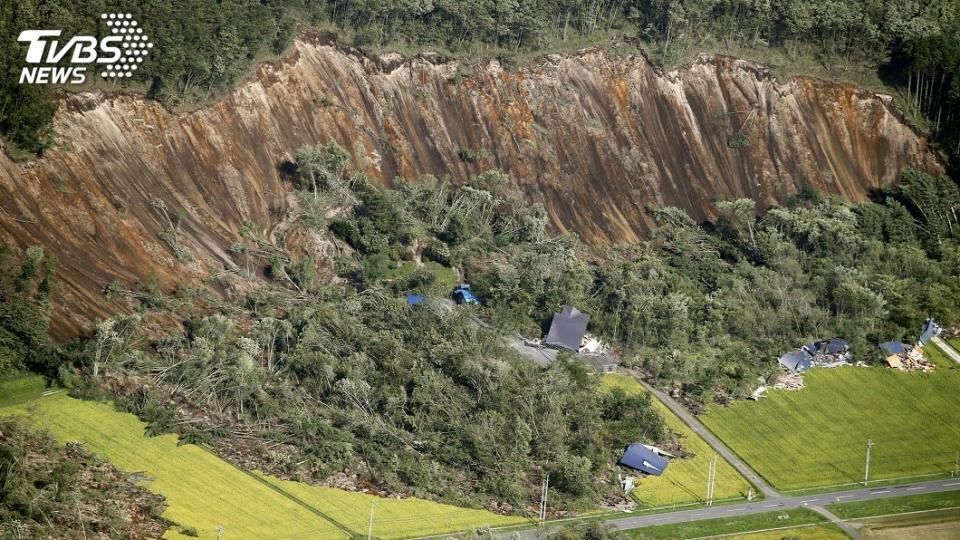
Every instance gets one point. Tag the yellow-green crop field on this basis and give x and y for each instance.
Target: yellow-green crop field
(685, 480)
(392, 518)
(204, 491)
(817, 436)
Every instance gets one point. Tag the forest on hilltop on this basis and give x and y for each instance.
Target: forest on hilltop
(197, 56)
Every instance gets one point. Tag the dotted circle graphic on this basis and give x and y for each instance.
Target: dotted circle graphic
(134, 45)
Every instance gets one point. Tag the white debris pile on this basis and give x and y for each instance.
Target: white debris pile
(592, 345)
(789, 381)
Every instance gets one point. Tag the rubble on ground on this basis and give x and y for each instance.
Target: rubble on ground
(789, 381)
(907, 357)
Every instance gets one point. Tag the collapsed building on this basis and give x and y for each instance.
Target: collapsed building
(827, 353)
(906, 357)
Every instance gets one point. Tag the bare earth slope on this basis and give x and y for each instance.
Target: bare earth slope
(596, 137)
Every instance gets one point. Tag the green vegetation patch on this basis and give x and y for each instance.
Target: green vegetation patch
(897, 505)
(814, 532)
(205, 492)
(748, 523)
(685, 480)
(939, 358)
(818, 436)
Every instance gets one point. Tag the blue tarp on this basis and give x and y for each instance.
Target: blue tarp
(641, 458)
(414, 299)
(463, 295)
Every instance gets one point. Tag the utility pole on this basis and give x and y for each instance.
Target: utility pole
(219, 531)
(711, 480)
(866, 471)
(543, 499)
(370, 525)
(956, 465)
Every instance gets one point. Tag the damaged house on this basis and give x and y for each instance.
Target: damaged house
(906, 357)
(827, 353)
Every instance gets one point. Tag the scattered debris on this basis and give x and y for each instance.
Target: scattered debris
(905, 357)
(789, 381)
(627, 483)
(828, 353)
(760, 392)
(590, 345)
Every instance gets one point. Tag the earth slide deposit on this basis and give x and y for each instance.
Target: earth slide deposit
(598, 137)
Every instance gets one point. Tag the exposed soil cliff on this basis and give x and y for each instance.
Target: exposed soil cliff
(596, 137)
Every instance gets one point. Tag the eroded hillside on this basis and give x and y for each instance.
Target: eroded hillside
(595, 137)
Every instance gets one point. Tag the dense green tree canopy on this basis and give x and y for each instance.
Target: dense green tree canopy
(205, 46)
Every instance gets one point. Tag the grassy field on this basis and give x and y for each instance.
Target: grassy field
(816, 532)
(685, 479)
(204, 492)
(817, 436)
(939, 358)
(897, 505)
(785, 519)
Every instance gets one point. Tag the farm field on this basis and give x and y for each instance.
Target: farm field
(392, 518)
(685, 480)
(934, 525)
(817, 532)
(817, 437)
(204, 491)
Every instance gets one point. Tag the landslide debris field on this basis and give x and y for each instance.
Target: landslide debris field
(204, 491)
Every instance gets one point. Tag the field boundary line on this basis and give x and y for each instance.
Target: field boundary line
(771, 529)
(878, 516)
(306, 506)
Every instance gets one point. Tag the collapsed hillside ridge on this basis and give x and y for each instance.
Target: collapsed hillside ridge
(596, 137)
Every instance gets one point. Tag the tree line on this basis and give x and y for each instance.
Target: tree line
(209, 50)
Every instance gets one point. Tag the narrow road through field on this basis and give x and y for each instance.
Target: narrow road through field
(947, 348)
(851, 531)
(757, 507)
(712, 440)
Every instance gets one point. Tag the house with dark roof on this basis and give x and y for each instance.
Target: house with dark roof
(642, 458)
(567, 329)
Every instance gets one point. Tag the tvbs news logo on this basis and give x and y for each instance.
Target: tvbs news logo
(116, 56)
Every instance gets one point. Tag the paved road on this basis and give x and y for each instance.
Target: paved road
(945, 347)
(713, 441)
(851, 531)
(757, 507)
